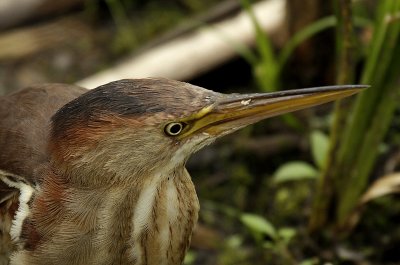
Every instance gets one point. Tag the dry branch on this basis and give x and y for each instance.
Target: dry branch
(196, 52)
(14, 12)
(19, 43)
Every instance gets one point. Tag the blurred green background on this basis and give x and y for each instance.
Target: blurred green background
(319, 186)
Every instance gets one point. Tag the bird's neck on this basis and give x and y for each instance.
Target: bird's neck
(148, 222)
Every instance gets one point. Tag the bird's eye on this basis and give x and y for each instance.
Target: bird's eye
(174, 128)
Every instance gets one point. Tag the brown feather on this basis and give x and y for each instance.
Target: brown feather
(24, 122)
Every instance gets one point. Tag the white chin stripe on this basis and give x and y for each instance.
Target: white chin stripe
(25, 194)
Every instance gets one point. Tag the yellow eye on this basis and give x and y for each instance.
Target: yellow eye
(174, 128)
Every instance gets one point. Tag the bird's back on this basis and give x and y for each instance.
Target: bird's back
(24, 120)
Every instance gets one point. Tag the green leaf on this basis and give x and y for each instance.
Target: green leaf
(190, 258)
(268, 245)
(258, 225)
(266, 71)
(287, 234)
(304, 34)
(319, 147)
(295, 170)
(234, 241)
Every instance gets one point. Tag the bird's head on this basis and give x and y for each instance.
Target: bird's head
(142, 127)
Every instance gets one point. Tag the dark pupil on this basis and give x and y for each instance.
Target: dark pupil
(174, 129)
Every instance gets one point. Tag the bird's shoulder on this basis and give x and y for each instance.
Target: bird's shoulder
(24, 124)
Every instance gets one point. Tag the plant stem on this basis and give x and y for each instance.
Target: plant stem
(373, 111)
(266, 72)
(345, 74)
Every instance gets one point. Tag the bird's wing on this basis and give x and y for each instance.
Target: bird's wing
(6, 192)
(15, 195)
(24, 130)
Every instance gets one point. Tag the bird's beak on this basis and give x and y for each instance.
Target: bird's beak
(236, 111)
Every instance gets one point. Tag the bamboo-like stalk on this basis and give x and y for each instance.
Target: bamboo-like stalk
(373, 111)
(352, 155)
(364, 105)
(345, 74)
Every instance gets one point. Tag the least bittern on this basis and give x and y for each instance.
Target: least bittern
(98, 177)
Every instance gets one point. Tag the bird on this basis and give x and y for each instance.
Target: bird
(98, 176)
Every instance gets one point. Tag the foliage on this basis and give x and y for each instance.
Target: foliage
(269, 237)
(267, 66)
(125, 39)
(295, 170)
(346, 158)
(300, 170)
(353, 160)
(137, 22)
(319, 147)
(373, 109)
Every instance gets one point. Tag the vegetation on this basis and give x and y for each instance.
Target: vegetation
(345, 162)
